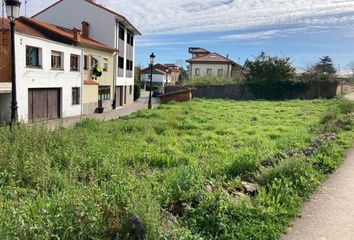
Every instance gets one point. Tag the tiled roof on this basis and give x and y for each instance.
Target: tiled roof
(197, 50)
(91, 82)
(119, 17)
(160, 67)
(211, 58)
(42, 29)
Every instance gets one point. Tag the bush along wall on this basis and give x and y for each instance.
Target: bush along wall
(282, 90)
(137, 92)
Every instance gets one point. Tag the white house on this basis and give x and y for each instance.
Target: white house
(49, 70)
(161, 75)
(205, 63)
(46, 80)
(103, 25)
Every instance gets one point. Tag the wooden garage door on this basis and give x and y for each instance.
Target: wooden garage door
(119, 96)
(43, 104)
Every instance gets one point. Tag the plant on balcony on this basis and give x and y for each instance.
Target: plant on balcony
(97, 71)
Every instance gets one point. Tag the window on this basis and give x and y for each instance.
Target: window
(220, 72)
(197, 71)
(121, 33)
(94, 62)
(32, 57)
(104, 93)
(130, 90)
(120, 62)
(130, 39)
(129, 65)
(74, 63)
(86, 60)
(105, 65)
(57, 58)
(76, 95)
(209, 71)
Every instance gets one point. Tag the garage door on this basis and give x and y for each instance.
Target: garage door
(119, 96)
(43, 104)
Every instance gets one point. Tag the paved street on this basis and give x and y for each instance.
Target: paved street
(330, 213)
(141, 104)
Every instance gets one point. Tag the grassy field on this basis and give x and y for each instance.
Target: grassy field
(171, 173)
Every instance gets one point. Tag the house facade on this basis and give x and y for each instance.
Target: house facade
(205, 63)
(45, 78)
(162, 74)
(50, 71)
(105, 26)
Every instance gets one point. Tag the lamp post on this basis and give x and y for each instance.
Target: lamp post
(152, 58)
(13, 12)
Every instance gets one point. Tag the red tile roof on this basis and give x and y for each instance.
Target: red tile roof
(119, 17)
(197, 50)
(91, 82)
(211, 58)
(42, 29)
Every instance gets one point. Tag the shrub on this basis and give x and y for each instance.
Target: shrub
(137, 92)
(213, 80)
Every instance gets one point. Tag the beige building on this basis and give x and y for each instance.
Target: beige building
(98, 91)
(205, 63)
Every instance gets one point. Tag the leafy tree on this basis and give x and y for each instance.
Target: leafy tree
(325, 66)
(269, 69)
(137, 76)
(322, 71)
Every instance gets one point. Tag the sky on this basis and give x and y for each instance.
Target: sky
(304, 30)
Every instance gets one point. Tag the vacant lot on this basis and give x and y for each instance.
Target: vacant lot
(170, 173)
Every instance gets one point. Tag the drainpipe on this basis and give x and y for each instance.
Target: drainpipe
(82, 82)
(114, 104)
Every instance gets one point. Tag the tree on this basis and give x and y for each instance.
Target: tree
(137, 76)
(325, 66)
(269, 69)
(322, 71)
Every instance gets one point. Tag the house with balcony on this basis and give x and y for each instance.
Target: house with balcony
(106, 26)
(49, 70)
(204, 63)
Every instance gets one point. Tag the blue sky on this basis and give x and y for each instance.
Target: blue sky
(303, 29)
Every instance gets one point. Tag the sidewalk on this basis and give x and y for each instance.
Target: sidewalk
(330, 213)
(140, 104)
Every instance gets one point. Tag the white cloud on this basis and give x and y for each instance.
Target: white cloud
(186, 16)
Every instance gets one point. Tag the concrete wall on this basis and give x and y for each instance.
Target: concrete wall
(45, 77)
(5, 104)
(71, 13)
(156, 78)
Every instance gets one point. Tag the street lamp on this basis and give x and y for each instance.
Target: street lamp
(13, 12)
(152, 58)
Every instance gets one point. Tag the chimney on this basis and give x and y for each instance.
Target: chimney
(77, 35)
(227, 56)
(85, 29)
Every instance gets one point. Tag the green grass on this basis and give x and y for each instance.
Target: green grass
(89, 181)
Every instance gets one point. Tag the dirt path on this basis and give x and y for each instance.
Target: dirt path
(330, 213)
